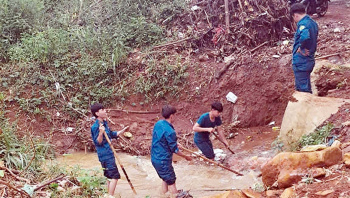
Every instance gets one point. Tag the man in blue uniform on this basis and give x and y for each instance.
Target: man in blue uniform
(205, 125)
(164, 144)
(104, 151)
(305, 43)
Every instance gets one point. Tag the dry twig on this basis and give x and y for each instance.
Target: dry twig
(14, 188)
(15, 176)
(48, 182)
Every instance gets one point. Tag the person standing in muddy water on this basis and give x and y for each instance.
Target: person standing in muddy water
(104, 151)
(164, 144)
(206, 124)
(304, 48)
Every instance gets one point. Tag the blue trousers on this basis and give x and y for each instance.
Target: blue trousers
(165, 171)
(110, 169)
(302, 74)
(206, 147)
(302, 81)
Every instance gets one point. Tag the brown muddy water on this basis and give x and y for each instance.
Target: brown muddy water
(198, 177)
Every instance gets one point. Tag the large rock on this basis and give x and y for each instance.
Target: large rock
(304, 115)
(251, 193)
(273, 193)
(288, 168)
(346, 160)
(229, 194)
(288, 193)
(246, 193)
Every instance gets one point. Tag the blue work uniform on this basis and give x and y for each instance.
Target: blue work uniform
(164, 144)
(104, 151)
(201, 139)
(305, 38)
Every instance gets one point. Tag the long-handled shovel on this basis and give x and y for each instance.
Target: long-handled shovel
(211, 161)
(217, 137)
(116, 156)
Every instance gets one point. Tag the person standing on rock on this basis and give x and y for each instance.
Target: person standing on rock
(104, 151)
(164, 144)
(206, 124)
(304, 48)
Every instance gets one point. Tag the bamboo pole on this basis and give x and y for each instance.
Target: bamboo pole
(135, 112)
(211, 161)
(116, 156)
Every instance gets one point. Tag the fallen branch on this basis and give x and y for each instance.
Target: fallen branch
(252, 50)
(227, 17)
(136, 112)
(128, 145)
(227, 66)
(330, 55)
(240, 4)
(48, 182)
(223, 70)
(14, 188)
(209, 160)
(172, 43)
(17, 177)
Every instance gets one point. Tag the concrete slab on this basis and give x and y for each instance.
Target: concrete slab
(306, 114)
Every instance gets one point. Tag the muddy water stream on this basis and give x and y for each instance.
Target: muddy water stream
(197, 177)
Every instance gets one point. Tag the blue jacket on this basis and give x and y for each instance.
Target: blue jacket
(305, 38)
(164, 141)
(104, 151)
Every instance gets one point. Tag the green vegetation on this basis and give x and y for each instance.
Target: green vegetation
(26, 153)
(18, 153)
(317, 137)
(91, 182)
(161, 78)
(277, 145)
(66, 55)
(61, 56)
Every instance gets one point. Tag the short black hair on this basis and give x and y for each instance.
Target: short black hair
(95, 108)
(217, 106)
(167, 111)
(298, 8)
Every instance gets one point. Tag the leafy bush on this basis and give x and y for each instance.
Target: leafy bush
(161, 78)
(42, 47)
(318, 137)
(17, 17)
